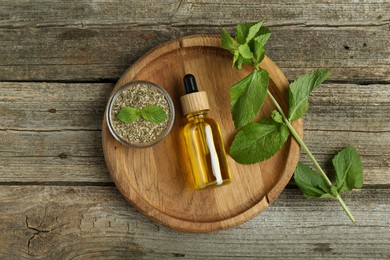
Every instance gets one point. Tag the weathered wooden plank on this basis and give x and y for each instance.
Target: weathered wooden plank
(342, 50)
(285, 12)
(77, 156)
(39, 145)
(60, 156)
(350, 108)
(341, 13)
(53, 106)
(95, 222)
(98, 40)
(65, 106)
(104, 52)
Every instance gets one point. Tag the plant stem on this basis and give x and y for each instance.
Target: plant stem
(306, 149)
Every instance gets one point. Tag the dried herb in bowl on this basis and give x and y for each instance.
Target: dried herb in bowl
(140, 114)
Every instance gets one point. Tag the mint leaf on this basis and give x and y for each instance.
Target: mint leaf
(128, 114)
(239, 62)
(258, 141)
(253, 30)
(349, 170)
(247, 97)
(259, 43)
(259, 54)
(227, 41)
(245, 51)
(236, 55)
(300, 89)
(237, 89)
(154, 114)
(242, 31)
(277, 117)
(263, 36)
(311, 183)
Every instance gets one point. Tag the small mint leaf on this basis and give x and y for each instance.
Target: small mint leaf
(259, 54)
(277, 117)
(227, 41)
(154, 114)
(253, 30)
(242, 32)
(300, 89)
(263, 36)
(245, 51)
(128, 114)
(258, 141)
(349, 170)
(236, 55)
(311, 183)
(239, 62)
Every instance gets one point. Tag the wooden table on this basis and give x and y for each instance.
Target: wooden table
(59, 61)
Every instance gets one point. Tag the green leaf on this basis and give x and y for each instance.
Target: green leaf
(300, 89)
(237, 89)
(227, 41)
(154, 114)
(349, 170)
(253, 30)
(249, 61)
(247, 97)
(242, 31)
(128, 114)
(239, 62)
(236, 56)
(259, 54)
(245, 51)
(259, 43)
(246, 34)
(258, 141)
(263, 36)
(311, 183)
(277, 117)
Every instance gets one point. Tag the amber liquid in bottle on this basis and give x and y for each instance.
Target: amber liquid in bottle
(206, 151)
(203, 139)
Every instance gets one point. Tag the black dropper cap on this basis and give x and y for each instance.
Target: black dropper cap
(190, 83)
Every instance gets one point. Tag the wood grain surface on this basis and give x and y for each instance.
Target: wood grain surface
(158, 180)
(95, 222)
(59, 61)
(98, 40)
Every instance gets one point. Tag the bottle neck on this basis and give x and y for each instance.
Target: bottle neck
(197, 114)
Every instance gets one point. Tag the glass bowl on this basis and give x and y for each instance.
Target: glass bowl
(139, 94)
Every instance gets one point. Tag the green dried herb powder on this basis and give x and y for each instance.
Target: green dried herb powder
(140, 131)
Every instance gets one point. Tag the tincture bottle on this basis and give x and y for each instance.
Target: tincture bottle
(203, 139)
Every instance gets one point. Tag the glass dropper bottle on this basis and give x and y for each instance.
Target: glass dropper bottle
(203, 139)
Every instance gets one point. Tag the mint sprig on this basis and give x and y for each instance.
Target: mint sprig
(349, 175)
(258, 141)
(152, 113)
(242, 46)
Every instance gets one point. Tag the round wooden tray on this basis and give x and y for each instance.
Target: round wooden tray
(158, 180)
